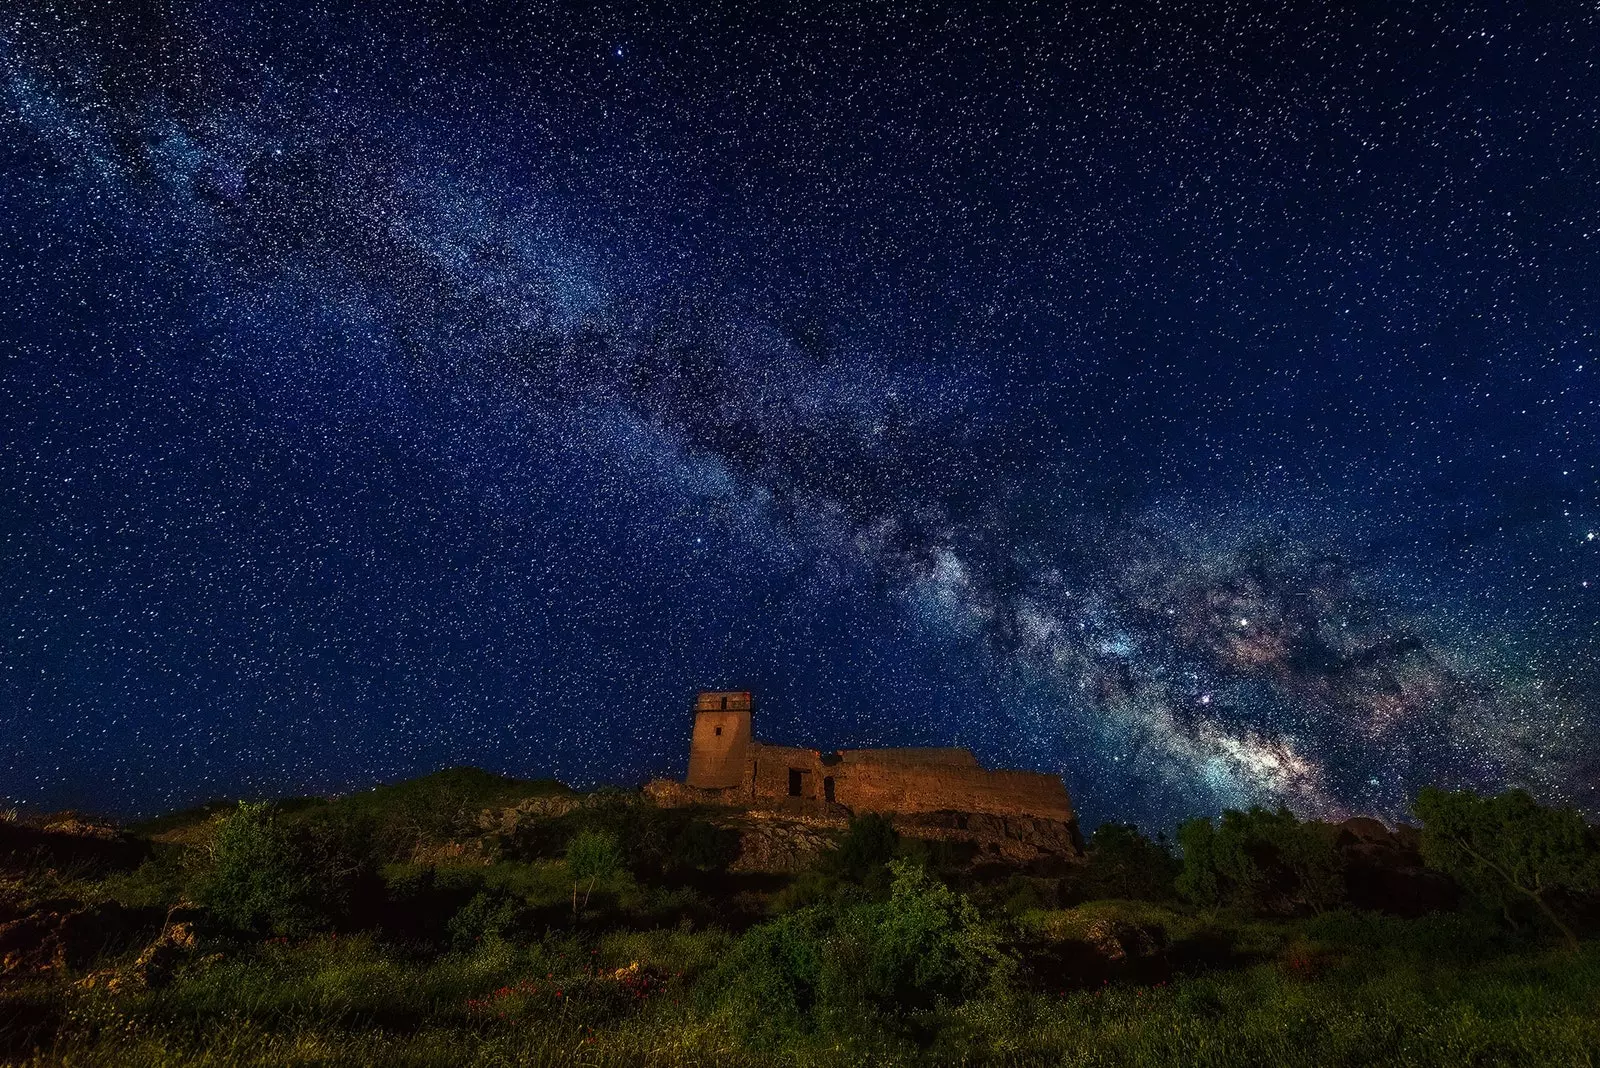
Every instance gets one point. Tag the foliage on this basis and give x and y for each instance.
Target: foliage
(1125, 864)
(1260, 860)
(474, 963)
(867, 846)
(257, 883)
(491, 915)
(702, 846)
(591, 857)
(923, 947)
(1510, 851)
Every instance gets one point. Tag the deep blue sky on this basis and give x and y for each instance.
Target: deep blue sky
(1197, 401)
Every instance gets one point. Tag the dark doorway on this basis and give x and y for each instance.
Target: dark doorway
(827, 788)
(794, 782)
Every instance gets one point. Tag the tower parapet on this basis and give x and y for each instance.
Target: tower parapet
(720, 745)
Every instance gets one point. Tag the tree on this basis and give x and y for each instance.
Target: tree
(1124, 863)
(591, 855)
(868, 844)
(1261, 860)
(1197, 880)
(257, 882)
(1508, 848)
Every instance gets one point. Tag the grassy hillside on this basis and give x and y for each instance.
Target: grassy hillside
(465, 919)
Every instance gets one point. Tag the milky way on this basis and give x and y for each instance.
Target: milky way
(1200, 405)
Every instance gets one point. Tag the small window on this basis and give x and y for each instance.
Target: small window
(719, 732)
(724, 703)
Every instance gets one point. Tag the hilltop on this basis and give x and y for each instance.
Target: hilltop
(469, 918)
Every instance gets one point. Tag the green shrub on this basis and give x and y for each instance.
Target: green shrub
(491, 916)
(924, 946)
(769, 983)
(1262, 861)
(702, 846)
(868, 844)
(257, 883)
(838, 966)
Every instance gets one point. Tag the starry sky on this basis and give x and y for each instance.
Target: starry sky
(1199, 401)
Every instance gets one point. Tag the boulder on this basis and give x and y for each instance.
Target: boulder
(61, 936)
(1384, 871)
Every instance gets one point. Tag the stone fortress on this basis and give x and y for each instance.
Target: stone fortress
(942, 792)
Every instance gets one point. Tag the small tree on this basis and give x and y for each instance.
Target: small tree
(1124, 863)
(925, 944)
(591, 855)
(257, 882)
(1197, 880)
(868, 844)
(1261, 860)
(1509, 848)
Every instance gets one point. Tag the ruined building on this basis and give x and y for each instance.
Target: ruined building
(727, 764)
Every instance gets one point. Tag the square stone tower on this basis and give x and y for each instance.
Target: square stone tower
(720, 745)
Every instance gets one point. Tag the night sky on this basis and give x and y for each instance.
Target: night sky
(1201, 402)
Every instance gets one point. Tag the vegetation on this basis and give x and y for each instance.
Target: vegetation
(528, 925)
(1511, 851)
(1261, 861)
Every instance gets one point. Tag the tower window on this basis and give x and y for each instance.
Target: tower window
(719, 732)
(724, 702)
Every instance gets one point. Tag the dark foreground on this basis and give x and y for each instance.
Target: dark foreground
(462, 920)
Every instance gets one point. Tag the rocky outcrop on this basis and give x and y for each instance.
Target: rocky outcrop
(69, 842)
(783, 835)
(667, 793)
(1384, 870)
(66, 934)
(1019, 839)
(780, 844)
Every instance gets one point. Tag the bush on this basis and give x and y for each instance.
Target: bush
(257, 883)
(491, 916)
(1125, 864)
(869, 844)
(771, 979)
(923, 947)
(1262, 861)
(702, 846)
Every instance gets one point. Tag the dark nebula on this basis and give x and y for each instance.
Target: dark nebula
(1197, 401)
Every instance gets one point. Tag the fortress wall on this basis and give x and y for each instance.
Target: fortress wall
(910, 789)
(769, 770)
(944, 755)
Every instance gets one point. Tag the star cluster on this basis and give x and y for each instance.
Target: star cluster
(1195, 401)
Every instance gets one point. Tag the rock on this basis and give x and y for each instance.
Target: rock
(70, 843)
(1384, 870)
(155, 964)
(1121, 941)
(76, 826)
(1018, 839)
(58, 937)
(778, 845)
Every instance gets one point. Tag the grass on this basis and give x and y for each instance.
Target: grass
(1337, 990)
(479, 961)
